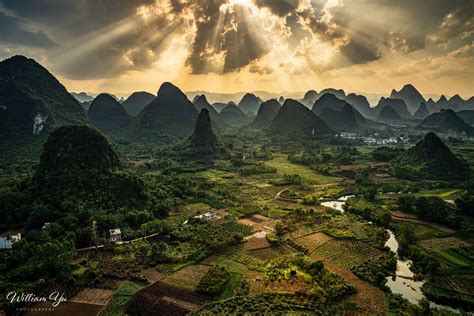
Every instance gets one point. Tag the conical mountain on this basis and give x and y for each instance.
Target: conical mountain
(107, 115)
(250, 103)
(397, 104)
(281, 100)
(297, 122)
(267, 112)
(456, 99)
(233, 115)
(137, 101)
(309, 98)
(78, 164)
(422, 111)
(33, 102)
(446, 121)
(203, 140)
(388, 114)
(430, 102)
(74, 148)
(347, 119)
(360, 103)
(329, 101)
(410, 95)
(430, 159)
(442, 102)
(200, 102)
(168, 116)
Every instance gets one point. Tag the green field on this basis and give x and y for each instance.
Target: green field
(120, 298)
(232, 284)
(283, 167)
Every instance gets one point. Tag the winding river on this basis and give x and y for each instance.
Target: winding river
(402, 282)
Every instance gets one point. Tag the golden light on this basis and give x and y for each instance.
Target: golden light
(245, 3)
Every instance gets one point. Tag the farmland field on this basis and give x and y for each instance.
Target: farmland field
(283, 167)
(313, 241)
(442, 243)
(187, 277)
(345, 253)
(120, 298)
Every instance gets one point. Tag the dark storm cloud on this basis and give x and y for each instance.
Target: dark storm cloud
(360, 53)
(280, 8)
(15, 31)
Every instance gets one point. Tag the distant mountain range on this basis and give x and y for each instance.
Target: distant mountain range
(33, 102)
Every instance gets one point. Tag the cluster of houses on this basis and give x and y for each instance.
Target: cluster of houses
(375, 140)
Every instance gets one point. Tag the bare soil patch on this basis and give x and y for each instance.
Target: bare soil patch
(153, 275)
(313, 241)
(187, 277)
(254, 243)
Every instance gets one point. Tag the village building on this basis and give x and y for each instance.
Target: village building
(8, 239)
(115, 235)
(209, 216)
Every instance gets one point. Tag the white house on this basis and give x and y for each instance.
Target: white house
(209, 216)
(8, 239)
(115, 235)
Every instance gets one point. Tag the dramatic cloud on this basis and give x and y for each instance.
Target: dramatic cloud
(281, 40)
(15, 31)
(280, 8)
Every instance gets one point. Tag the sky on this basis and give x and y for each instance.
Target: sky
(370, 46)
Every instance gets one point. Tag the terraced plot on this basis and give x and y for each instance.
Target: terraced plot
(345, 253)
(242, 256)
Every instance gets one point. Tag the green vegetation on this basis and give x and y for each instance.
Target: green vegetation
(121, 297)
(265, 184)
(325, 285)
(271, 303)
(430, 159)
(367, 211)
(214, 281)
(432, 209)
(376, 270)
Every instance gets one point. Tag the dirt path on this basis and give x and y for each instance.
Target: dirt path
(279, 193)
(369, 297)
(399, 216)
